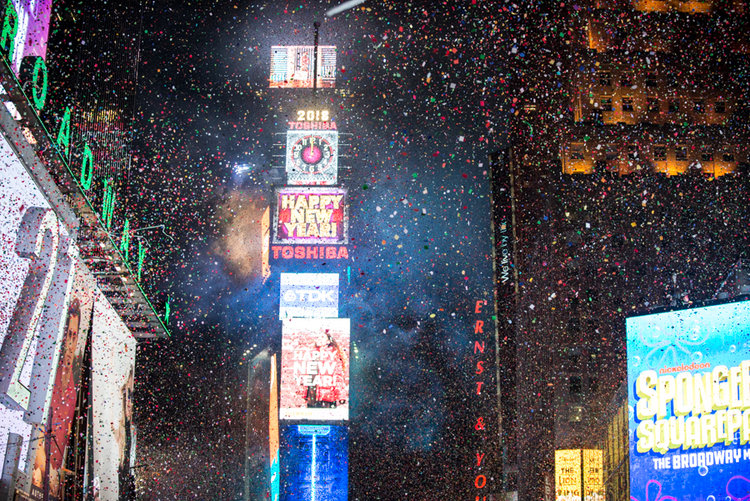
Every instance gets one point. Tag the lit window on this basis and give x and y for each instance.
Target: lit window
(660, 153)
(627, 104)
(680, 153)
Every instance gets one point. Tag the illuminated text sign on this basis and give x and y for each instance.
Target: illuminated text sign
(310, 215)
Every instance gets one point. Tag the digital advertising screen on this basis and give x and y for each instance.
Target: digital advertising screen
(309, 295)
(273, 432)
(315, 369)
(311, 216)
(568, 475)
(593, 475)
(33, 30)
(689, 399)
(315, 463)
(292, 66)
(312, 157)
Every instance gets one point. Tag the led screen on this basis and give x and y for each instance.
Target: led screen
(293, 66)
(33, 30)
(593, 475)
(314, 463)
(315, 369)
(311, 216)
(689, 398)
(312, 157)
(273, 432)
(309, 295)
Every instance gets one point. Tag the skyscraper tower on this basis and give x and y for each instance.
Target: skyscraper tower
(629, 154)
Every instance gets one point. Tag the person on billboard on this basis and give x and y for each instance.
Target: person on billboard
(328, 392)
(62, 408)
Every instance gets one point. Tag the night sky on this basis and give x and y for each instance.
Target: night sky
(424, 101)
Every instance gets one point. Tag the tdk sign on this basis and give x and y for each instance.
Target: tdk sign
(309, 295)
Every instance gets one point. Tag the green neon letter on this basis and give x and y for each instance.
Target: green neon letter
(167, 310)
(141, 257)
(125, 240)
(10, 28)
(39, 95)
(63, 135)
(108, 204)
(87, 167)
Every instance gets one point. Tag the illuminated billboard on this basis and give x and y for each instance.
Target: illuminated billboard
(315, 369)
(32, 30)
(273, 432)
(310, 216)
(292, 66)
(315, 463)
(568, 475)
(593, 475)
(310, 295)
(689, 399)
(312, 157)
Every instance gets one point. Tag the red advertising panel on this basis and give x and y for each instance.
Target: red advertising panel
(311, 216)
(315, 369)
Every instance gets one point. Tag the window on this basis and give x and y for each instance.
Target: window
(720, 107)
(699, 106)
(674, 107)
(660, 153)
(707, 156)
(627, 104)
(605, 78)
(576, 154)
(652, 105)
(632, 152)
(576, 414)
(680, 153)
(606, 104)
(651, 81)
(626, 81)
(575, 385)
(727, 157)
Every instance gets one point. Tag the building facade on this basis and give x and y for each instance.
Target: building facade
(629, 151)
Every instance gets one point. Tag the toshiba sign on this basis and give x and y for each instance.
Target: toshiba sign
(309, 295)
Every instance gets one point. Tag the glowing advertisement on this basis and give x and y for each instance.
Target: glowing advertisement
(593, 475)
(315, 463)
(311, 216)
(309, 295)
(568, 475)
(689, 399)
(312, 157)
(315, 369)
(32, 30)
(273, 432)
(292, 66)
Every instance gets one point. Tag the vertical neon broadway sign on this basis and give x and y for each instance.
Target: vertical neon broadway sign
(482, 393)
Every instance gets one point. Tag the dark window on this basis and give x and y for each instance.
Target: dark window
(660, 153)
(650, 81)
(627, 104)
(606, 104)
(633, 152)
(605, 78)
(626, 81)
(707, 156)
(727, 157)
(680, 153)
(653, 105)
(575, 385)
(720, 107)
(576, 154)
(674, 106)
(700, 106)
